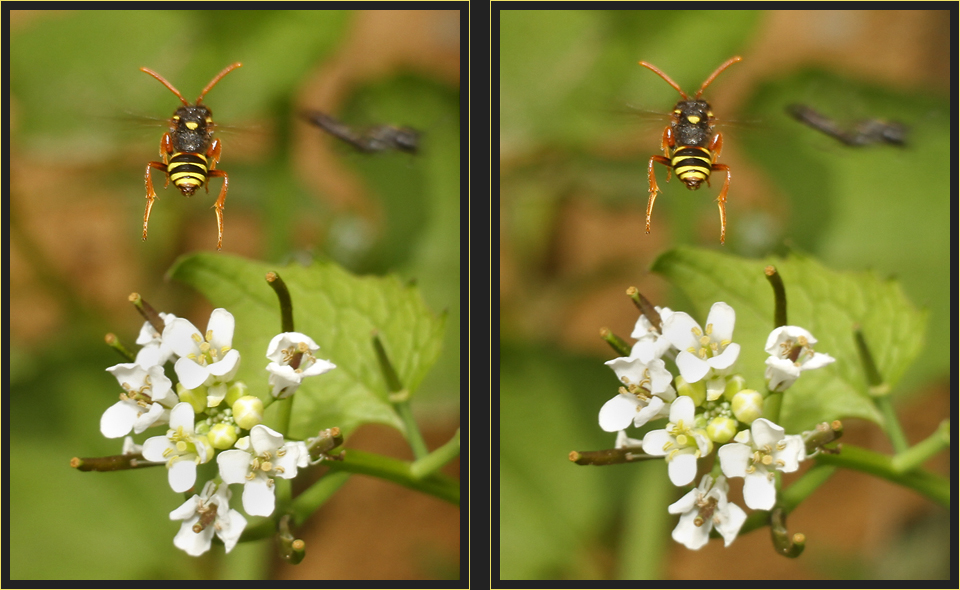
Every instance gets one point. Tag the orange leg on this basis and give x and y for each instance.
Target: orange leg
(722, 199)
(219, 204)
(654, 189)
(151, 194)
(166, 148)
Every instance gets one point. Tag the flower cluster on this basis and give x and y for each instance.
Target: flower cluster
(709, 408)
(209, 414)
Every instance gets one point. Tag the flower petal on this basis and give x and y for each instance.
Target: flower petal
(318, 367)
(679, 330)
(766, 433)
(195, 544)
(692, 368)
(688, 534)
(258, 498)
(185, 510)
(190, 373)
(154, 447)
(234, 466)
(759, 492)
(722, 317)
(226, 368)
(182, 475)
(231, 530)
(182, 416)
(726, 358)
(734, 458)
(179, 335)
(731, 520)
(682, 408)
(265, 439)
(221, 324)
(682, 468)
(118, 420)
(617, 413)
(655, 441)
(652, 411)
(684, 504)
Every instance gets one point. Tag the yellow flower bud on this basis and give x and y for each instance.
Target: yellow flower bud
(222, 436)
(734, 384)
(721, 429)
(195, 397)
(202, 441)
(747, 405)
(248, 411)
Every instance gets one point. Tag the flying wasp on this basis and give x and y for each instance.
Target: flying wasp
(690, 147)
(189, 151)
(373, 139)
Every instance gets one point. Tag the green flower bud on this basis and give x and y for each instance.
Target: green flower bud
(236, 391)
(747, 405)
(721, 430)
(195, 397)
(695, 391)
(248, 411)
(222, 436)
(734, 384)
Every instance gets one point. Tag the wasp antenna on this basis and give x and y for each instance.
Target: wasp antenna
(665, 77)
(217, 78)
(167, 84)
(716, 73)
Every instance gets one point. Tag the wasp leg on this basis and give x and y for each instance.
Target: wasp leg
(151, 194)
(722, 199)
(166, 148)
(219, 204)
(654, 189)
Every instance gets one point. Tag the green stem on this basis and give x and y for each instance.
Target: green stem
(400, 399)
(771, 406)
(918, 454)
(437, 459)
(891, 424)
(286, 305)
(399, 472)
(790, 497)
(616, 343)
(417, 444)
(114, 343)
(316, 495)
(935, 487)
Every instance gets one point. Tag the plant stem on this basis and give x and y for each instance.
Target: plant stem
(933, 486)
(916, 455)
(891, 424)
(437, 459)
(399, 472)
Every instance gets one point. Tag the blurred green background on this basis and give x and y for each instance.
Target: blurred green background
(577, 127)
(83, 123)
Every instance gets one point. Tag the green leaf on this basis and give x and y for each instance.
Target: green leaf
(339, 311)
(828, 304)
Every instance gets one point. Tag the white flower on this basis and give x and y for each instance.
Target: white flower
(704, 508)
(644, 332)
(680, 442)
(756, 454)
(293, 359)
(624, 441)
(154, 350)
(264, 457)
(791, 351)
(180, 448)
(205, 515)
(646, 386)
(146, 400)
(206, 359)
(703, 349)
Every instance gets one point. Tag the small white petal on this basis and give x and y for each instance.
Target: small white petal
(182, 416)
(288, 462)
(185, 510)
(655, 440)
(226, 368)
(759, 492)
(734, 459)
(653, 410)
(692, 368)
(688, 534)
(679, 330)
(119, 418)
(766, 433)
(684, 504)
(617, 413)
(182, 475)
(682, 469)
(191, 374)
(234, 466)
(723, 318)
(726, 358)
(258, 498)
(195, 544)
(265, 439)
(791, 455)
(154, 447)
(221, 324)
(683, 409)
(153, 415)
(230, 533)
(819, 360)
(731, 520)
(319, 367)
(178, 334)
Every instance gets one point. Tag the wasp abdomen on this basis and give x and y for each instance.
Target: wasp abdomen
(692, 165)
(188, 171)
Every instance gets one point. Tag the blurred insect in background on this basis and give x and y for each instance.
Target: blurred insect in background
(690, 147)
(373, 139)
(864, 132)
(189, 151)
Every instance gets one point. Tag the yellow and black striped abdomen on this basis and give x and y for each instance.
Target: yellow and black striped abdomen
(188, 171)
(692, 164)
